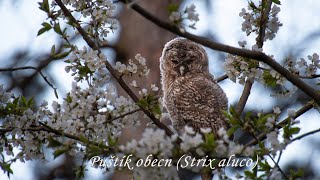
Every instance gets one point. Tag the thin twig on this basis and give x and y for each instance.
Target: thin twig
(122, 115)
(304, 135)
(310, 77)
(280, 125)
(37, 70)
(260, 56)
(49, 129)
(284, 175)
(114, 73)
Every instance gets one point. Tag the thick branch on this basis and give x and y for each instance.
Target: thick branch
(114, 73)
(260, 39)
(244, 97)
(263, 22)
(260, 56)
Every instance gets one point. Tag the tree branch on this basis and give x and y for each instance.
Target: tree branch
(259, 41)
(306, 134)
(114, 73)
(37, 70)
(280, 125)
(244, 97)
(222, 78)
(263, 22)
(49, 129)
(123, 115)
(260, 56)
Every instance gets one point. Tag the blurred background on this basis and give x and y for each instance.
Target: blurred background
(219, 20)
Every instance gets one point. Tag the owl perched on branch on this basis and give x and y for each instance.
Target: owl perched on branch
(191, 95)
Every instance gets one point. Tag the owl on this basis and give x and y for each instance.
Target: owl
(190, 94)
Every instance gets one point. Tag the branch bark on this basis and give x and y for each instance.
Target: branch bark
(259, 56)
(259, 40)
(114, 73)
(244, 97)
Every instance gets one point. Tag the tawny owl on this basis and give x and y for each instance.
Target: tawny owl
(190, 94)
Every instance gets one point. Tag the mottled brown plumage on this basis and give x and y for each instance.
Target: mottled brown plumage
(191, 95)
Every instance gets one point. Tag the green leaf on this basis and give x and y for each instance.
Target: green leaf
(41, 31)
(156, 109)
(68, 99)
(93, 150)
(172, 8)
(6, 168)
(250, 174)
(61, 55)
(53, 50)
(232, 130)
(276, 2)
(252, 5)
(59, 152)
(46, 25)
(53, 143)
(57, 29)
(80, 172)
(23, 101)
(296, 174)
(269, 80)
(30, 102)
(264, 166)
(142, 103)
(112, 141)
(294, 130)
(209, 142)
(44, 6)
(83, 138)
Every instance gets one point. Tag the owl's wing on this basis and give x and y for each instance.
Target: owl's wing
(200, 102)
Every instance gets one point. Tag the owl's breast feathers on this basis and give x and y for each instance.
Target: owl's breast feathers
(196, 101)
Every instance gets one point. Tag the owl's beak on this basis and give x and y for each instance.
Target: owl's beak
(182, 70)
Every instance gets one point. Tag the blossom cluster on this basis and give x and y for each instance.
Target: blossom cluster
(136, 66)
(97, 14)
(273, 136)
(252, 20)
(241, 68)
(156, 143)
(189, 13)
(88, 64)
(18, 121)
(305, 68)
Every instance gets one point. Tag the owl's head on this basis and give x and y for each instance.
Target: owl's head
(182, 57)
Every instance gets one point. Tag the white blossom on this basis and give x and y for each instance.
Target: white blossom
(154, 87)
(276, 110)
